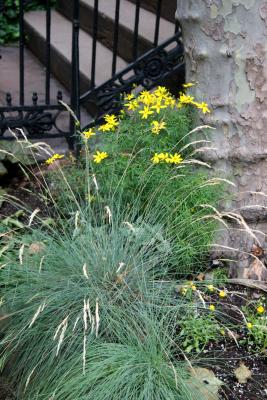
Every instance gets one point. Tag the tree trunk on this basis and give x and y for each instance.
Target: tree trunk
(226, 53)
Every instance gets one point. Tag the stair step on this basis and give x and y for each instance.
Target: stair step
(106, 24)
(168, 7)
(61, 40)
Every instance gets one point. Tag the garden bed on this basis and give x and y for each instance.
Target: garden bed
(106, 279)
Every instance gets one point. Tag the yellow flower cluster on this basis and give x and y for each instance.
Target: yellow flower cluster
(100, 156)
(167, 158)
(54, 158)
(111, 123)
(150, 103)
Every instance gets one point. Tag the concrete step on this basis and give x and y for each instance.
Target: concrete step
(34, 82)
(61, 42)
(106, 19)
(168, 7)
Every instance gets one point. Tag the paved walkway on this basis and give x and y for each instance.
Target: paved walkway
(34, 82)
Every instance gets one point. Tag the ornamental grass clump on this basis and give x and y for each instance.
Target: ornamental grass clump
(91, 312)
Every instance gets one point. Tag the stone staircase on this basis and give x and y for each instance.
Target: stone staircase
(61, 36)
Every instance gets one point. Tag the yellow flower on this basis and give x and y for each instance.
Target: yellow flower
(133, 105)
(249, 325)
(89, 133)
(158, 157)
(111, 123)
(145, 112)
(188, 85)
(129, 96)
(159, 106)
(54, 158)
(185, 99)
(183, 291)
(174, 159)
(210, 288)
(212, 307)
(146, 97)
(161, 91)
(203, 107)
(222, 294)
(111, 120)
(193, 287)
(157, 126)
(99, 156)
(260, 309)
(170, 101)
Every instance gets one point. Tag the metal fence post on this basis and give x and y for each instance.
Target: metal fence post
(73, 140)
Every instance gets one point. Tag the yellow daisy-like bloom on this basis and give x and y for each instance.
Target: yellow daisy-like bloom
(129, 96)
(161, 91)
(249, 325)
(157, 126)
(212, 307)
(99, 156)
(159, 157)
(222, 294)
(54, 158)
(111, 123)
(260, 309)
(147, 98)
(185, 99)
(210, 288)
(170, 101)
(188, 85)
(203, 107)
(193, 287)
(89, 133)
(146, 112)
(174, 159)
(111, 119)
(133, 105)
(158, 106)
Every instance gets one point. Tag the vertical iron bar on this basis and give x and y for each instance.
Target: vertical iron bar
(95, 31)
(116, 37)
(48, 52)
(75, 78)
(156, 37)
(136, 27)
(21, 53)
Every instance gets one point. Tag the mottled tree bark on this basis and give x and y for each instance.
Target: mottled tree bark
(226, 53)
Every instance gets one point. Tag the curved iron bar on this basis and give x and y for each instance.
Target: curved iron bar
(147, 71)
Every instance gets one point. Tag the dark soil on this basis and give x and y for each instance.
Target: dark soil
(26, 195)
(225, 357)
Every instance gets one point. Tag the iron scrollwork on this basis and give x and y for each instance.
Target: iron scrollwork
(38, 121)
(152, 69)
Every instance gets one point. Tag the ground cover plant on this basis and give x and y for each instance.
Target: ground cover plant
(9, 18)
(96, 296)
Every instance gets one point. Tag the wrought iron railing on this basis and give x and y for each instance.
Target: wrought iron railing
(147, 70)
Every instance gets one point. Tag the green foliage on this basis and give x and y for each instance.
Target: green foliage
(91, 299)
(110, 276)
(9, 18)
(256, 336)
(174, 195)
(198, 330)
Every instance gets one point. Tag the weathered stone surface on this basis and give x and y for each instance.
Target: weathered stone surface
(226, 53)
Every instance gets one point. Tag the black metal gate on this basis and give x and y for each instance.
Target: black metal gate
(151, 68)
